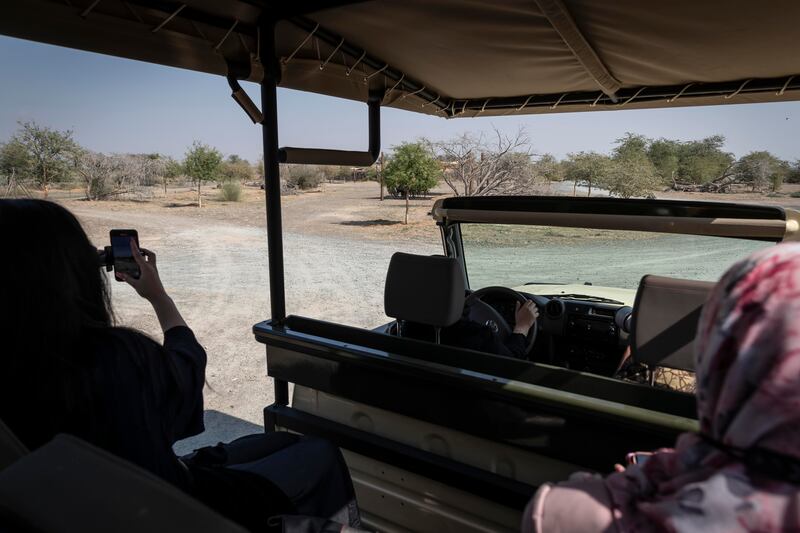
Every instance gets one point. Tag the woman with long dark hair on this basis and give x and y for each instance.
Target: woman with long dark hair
(66, 368)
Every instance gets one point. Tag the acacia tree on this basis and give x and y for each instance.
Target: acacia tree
(588, 169)
(99, 173)
(236, 169)
(172, 169)
(15, 166)
(52, 153)
(202, 163)
(486, 165)
(548, 169)
(633, 175)
(762, 171)
(411, 170)
(632, 172)
(15, 162)
(793, 172)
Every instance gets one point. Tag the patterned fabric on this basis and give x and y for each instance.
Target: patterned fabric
(748, 395)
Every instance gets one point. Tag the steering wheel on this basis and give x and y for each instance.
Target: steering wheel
(485, 314)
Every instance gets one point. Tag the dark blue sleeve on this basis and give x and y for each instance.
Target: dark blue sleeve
(516, 345)
(186, 360)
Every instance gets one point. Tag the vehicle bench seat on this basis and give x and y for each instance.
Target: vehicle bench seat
(69, 485)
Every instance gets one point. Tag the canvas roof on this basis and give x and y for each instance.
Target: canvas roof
(456, 58)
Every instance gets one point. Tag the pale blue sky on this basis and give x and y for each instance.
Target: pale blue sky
(118, 105)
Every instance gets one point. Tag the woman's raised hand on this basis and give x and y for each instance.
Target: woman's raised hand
(149, 284)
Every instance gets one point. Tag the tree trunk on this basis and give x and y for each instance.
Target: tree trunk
(199, 198)
(575, 188)
(165, 188)
(381, 176)
(590, 190)
(406, 219)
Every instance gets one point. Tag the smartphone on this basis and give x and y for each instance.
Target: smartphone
(123, 256)
(638, 458)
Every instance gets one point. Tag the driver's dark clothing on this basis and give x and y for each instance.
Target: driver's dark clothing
(469, 334)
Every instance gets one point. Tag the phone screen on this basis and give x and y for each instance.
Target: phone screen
(123, 257)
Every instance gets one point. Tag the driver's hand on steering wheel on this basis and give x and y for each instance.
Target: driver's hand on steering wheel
(525, 317)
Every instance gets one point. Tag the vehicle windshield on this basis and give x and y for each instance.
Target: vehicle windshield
(589, 263)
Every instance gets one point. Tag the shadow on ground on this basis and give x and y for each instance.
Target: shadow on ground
(375, 222)
(220, 427)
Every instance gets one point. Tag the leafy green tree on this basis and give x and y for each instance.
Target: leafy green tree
(793, 172)
(52, 153)
(762, 170)
(665, 155)
(631, 145)
(632, 175)
(632, 172)
(172, 170)
(704, 160)
(202, 163)
(236, 169)
(588, 169)
(412, 170)
(15, 162)
(548, 168)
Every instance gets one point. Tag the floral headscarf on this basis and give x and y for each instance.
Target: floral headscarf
(748, 400)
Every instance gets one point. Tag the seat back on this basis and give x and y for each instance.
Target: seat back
(664, 322)
(11, 448)
(68, 485)
(424, 289)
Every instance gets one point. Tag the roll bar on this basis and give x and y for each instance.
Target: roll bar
(267, 118)
(317, 156)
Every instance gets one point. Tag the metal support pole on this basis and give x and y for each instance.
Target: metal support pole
(272, 186)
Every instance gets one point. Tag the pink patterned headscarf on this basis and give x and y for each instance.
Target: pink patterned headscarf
(748, 401)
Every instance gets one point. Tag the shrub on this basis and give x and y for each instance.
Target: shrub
(795, 194)
(304, 177)
(231, 191)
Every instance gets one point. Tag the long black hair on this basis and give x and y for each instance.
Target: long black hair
(52, 289)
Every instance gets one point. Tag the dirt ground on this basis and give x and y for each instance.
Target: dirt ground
(213, 261)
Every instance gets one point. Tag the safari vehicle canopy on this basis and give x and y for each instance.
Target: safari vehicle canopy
(438, 437)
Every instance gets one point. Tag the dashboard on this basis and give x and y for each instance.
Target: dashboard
(580, 334)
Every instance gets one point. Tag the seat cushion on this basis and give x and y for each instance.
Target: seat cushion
(68, 485)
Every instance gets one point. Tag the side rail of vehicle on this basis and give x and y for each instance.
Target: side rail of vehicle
(578, 419)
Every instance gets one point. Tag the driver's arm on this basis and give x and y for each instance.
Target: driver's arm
(524, 319)
(515, 346)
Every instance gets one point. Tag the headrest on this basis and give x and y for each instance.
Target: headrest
(424, 289)
(11, 448)
(68, 485)
(664, 323)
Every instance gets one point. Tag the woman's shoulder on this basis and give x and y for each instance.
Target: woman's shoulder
(121, 340)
